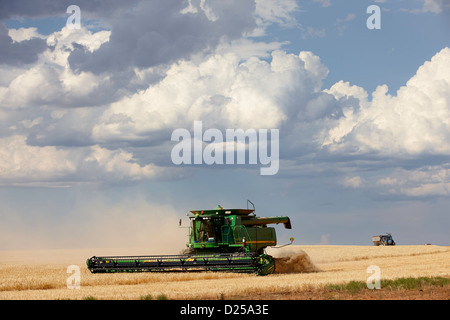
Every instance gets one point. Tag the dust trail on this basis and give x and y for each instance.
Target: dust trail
(296, 261)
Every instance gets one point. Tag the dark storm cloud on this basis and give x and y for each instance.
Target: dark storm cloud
(156, 32)
(44, 8)
(143, 33)
(25, 52)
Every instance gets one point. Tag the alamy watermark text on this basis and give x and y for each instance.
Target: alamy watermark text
(229, 148)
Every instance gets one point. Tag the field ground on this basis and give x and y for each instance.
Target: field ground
(303, 272)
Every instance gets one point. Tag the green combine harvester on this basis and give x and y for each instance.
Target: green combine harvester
(219, 240)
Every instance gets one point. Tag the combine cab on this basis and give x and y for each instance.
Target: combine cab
(219, 240)
(383, 240)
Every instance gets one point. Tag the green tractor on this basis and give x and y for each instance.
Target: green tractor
(219, 240)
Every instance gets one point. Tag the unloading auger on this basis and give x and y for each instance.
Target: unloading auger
(219, 240)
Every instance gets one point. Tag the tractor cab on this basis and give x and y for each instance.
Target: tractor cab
(206, 229)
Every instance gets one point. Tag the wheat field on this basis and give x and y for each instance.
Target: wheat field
(42, 275)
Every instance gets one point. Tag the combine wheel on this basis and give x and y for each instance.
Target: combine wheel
(265, 265)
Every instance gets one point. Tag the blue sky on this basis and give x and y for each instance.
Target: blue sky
(86, 117)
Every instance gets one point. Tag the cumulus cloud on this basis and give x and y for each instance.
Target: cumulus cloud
(396, 134)
(20, 161)
(101, 105)
(21, 34)
(221, 91)
(50, 81)
(415, 121)
(23, 164)
(48, 110)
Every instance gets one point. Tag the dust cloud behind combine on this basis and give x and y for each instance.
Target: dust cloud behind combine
(292, 261)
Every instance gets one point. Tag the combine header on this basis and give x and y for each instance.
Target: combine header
(219, 240)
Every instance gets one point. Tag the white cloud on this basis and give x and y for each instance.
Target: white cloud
(353, 182)
(222, 91)
(422, 182)
(20, 161)
(21, 34)
(24, 164)
(64, 116)
(396, 134)
(269, 12)
(415, 121)
(50, 81)
(317, 72)
(277, 11)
